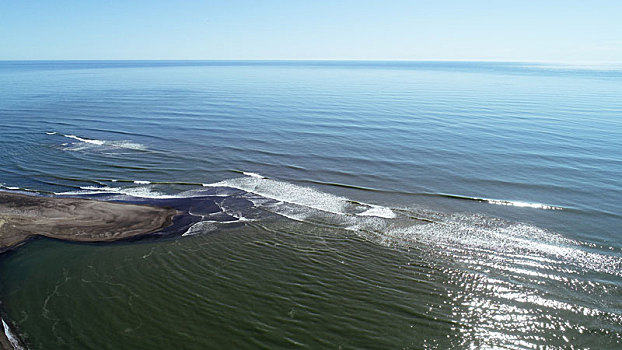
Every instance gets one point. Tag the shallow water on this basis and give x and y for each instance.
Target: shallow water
(378, 204)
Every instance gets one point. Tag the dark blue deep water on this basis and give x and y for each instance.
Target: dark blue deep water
(394, 204)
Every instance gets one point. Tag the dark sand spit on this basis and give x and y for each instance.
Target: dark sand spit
(75, 219)
(82, 220)
(4, 342)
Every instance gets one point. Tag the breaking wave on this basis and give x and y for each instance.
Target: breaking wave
(86, 144)
(302, 196)
(137, 192)
(521, 204)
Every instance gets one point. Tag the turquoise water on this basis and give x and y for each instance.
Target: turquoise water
(384, 204)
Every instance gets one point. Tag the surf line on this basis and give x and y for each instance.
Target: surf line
(511, 203)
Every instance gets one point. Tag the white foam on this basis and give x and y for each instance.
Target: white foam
(307, 197)
(200, 227)
(145, 192)
(88, 190)
(522, 204)
(379, 211)
(91, 141)
(139, 192)
(86, 143)
(142, 182)
(125, 145)
(254, 175)
(286, 192)
(512, 203)
(11, 337)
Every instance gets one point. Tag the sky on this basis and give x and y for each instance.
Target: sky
(520, 30)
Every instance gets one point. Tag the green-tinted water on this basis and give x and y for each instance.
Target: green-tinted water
(244, 287)
(285, 284)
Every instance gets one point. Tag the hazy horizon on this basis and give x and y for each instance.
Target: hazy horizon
(368, 30)
(549, 62)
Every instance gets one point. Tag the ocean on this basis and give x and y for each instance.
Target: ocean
(373, 205)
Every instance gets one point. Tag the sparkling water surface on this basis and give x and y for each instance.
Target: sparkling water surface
(389, 204)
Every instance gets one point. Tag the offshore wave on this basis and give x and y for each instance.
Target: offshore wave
(85, 144)
(513, 203)
(22, 189)
(138, 192)
(520, 204)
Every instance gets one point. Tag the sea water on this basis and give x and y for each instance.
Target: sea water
(376, 204)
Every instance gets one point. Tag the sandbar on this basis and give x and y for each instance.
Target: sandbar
(75, 219)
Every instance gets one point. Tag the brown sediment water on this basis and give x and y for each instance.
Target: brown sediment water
(23, 217)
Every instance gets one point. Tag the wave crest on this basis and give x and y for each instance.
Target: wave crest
(86, 144)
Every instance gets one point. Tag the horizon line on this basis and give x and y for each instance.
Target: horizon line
(317, 60)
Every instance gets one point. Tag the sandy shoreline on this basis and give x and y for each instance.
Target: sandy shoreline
(23, 217)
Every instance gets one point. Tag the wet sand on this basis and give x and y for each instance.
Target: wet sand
(5, 342)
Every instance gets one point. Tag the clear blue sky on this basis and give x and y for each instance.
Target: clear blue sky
(546, 30)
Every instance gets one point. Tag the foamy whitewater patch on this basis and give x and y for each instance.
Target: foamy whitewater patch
(254, 175)
(84, 143)
(21, 189)
(286, 192)
(303, 196)
(522, 204)
(139, 192)
(379, 211)
(200, 227)
(91, 141)
(519, 204)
